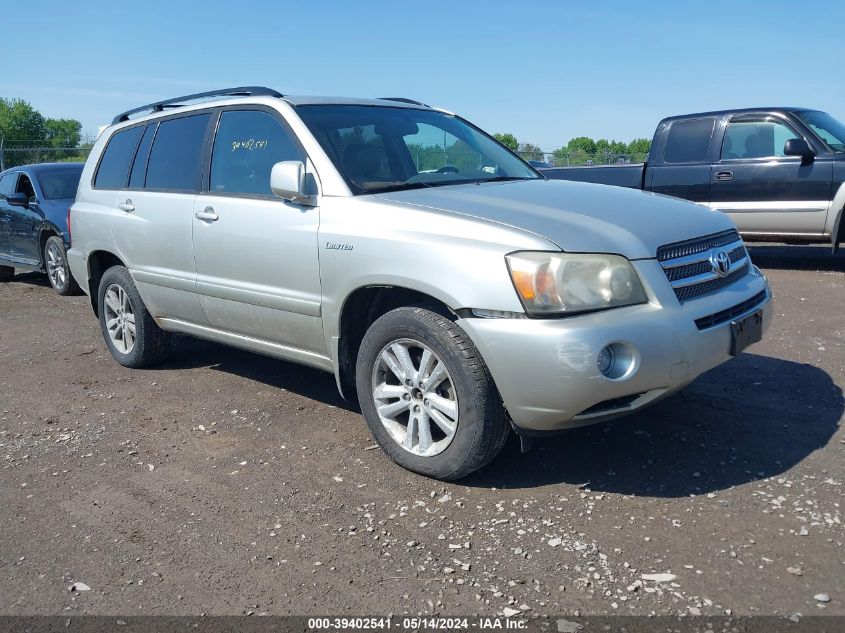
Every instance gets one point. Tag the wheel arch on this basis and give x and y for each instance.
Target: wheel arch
(98, 263)
(835, 218)
(359, 310)
(45, 232)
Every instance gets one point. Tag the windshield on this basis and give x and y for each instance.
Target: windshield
(828, 129)
(57, 184)
(380, 148)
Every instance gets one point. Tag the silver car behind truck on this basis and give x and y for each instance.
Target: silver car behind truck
(450, 288)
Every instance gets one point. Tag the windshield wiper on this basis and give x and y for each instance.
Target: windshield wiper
(398, 187)
(505, 178)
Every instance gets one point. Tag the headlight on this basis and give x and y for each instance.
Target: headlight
(567, 283)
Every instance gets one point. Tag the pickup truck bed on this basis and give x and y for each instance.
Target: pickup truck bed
(630, 175)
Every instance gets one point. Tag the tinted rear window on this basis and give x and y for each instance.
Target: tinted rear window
(114, 166)
(176, 157)
(139, 167)
(57, 184)
(688, 141)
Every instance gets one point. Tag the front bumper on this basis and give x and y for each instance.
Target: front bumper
(546, 372)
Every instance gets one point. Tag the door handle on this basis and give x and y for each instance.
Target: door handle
(207, 215)
(724, 176)
(127, 206)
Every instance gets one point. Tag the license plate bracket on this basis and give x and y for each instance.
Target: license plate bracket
(746, 331)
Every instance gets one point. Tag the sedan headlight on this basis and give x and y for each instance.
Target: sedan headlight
(567, 283)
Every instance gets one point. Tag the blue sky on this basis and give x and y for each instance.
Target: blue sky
(545, 71)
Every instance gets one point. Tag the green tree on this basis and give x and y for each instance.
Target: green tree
(508, 140)
(581, 150)
(26, 135)
(602, 150)
(64, 135)
(617, 147)
(639, 148)
(530, 152)
(582, 144)
(560, 157)
(19, 121)
(62, 132)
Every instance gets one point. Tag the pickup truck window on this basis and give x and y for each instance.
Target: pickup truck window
(247, 145)
(828, 129)
(688, 141)
(761, 138)
(383, 148)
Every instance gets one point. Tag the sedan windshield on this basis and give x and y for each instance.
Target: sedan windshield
(828, 129)
(382, 148)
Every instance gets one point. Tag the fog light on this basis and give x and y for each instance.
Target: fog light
(605, 360)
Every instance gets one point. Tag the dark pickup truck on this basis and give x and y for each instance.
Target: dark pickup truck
(778, 172)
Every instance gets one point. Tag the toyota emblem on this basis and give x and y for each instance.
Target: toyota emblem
(720, 262)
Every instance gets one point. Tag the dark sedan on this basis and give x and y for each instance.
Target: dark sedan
(34, 203)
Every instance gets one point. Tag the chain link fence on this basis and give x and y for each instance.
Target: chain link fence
(563, 158)
(12, 154)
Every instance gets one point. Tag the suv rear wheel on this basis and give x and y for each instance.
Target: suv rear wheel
(427, 395)
(131, 334)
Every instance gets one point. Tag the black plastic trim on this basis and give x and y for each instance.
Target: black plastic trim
(158, 106)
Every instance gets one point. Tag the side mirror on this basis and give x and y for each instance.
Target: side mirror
(287, 181)
(18, 199)
(798, 147)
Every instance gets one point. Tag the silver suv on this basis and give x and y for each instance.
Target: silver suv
(447, 285)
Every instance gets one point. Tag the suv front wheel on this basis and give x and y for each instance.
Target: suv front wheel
(131, 334)
(427, 395)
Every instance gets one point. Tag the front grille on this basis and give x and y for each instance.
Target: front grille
(699, 268)
(697, 245)
(688, 266)
(731, 313)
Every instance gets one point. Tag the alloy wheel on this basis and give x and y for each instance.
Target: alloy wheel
(56, 269)
(120, 319)
(415, 397)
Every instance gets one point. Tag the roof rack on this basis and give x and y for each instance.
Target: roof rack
(158, 106)
(404, 100)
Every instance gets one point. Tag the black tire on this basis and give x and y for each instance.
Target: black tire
(151, 344)
(63, 283)
(6, 273)
(482, 427)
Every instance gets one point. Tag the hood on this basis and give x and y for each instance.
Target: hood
(577, 216)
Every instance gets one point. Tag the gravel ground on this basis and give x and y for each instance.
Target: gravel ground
(228, 483)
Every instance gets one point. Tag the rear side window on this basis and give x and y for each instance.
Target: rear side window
(176, 156)
(688, 141)
(247, 145)
(114, 165)
(139, 167)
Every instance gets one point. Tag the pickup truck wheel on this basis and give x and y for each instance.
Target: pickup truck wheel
(58, 272)
(131, 334)
(427, 395)
(6, 273)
